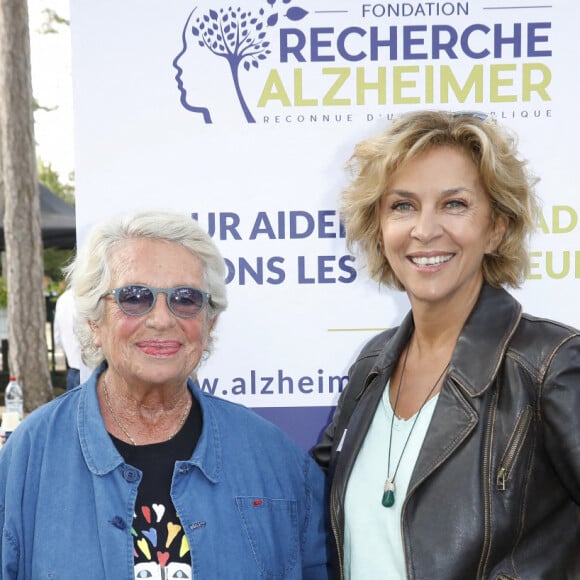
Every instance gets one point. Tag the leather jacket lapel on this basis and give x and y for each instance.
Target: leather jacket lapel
(454, 418)
(476, 358)
(457, 413)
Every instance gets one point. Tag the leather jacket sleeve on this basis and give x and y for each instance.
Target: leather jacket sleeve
(560, 408)
(359, 376)
(322, 452)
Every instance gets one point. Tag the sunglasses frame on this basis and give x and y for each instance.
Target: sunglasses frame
(155, 291)
(480, 115)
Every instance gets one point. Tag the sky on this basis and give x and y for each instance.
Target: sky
(52, 88)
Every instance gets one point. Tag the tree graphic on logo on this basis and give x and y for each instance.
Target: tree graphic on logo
(241, 37)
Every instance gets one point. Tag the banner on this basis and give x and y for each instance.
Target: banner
(243, 114)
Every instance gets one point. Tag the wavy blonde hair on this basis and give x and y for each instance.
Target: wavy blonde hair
(503, 176)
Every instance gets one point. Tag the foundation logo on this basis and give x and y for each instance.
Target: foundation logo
(273, 62)
(239, 37)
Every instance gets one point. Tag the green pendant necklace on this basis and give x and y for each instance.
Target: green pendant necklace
(389, 488)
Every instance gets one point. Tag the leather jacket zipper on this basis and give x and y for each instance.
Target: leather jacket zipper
(339, 541)
(487, 489)
(513, 449)
(336, 530)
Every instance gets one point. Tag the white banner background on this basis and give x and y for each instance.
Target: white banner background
(332, 72)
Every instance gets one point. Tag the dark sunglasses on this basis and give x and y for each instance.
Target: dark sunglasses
(139, 299)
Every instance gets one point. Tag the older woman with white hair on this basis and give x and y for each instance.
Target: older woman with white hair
(137, 473)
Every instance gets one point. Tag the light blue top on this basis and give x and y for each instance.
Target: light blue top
(373, 546)
(249, 499)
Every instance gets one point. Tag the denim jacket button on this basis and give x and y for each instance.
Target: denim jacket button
(184, 469)
(130, 475)
(119, 522)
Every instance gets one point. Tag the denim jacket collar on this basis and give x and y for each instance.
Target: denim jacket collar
(101, 455)
(208, 454)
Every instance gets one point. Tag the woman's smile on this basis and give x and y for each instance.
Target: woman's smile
(436, 226)
(431, 260)
(159, 348)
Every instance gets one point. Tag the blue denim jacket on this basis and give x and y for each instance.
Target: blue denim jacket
(67, 498)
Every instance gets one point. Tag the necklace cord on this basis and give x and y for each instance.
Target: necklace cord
(394, 412)
(392, 479)
(124, 429)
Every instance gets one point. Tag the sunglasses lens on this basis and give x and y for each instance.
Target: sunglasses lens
(186, 302)
(473, 114)
(135, 300)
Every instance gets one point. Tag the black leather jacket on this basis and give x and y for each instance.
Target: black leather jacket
(495, 492)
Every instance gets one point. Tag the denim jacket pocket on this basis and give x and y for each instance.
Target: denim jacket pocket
(271, 527)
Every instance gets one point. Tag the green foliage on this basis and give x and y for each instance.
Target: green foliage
(55, 260)
(52, 21)
(36, 106)
(50, 177)
(3, 293)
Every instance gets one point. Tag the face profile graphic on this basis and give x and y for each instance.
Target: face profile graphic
(186, 37)
(153, 571)
(219, 47)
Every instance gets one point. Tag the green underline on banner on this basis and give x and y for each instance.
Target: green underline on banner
(355, 329)
(515, 7)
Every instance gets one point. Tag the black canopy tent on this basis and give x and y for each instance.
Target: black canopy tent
(58, 227)
(57, 221)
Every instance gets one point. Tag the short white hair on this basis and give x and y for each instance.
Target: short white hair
(89, 274)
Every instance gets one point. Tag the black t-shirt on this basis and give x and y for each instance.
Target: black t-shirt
(158, 538)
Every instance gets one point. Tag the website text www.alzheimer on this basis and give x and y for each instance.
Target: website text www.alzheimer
(278, 382)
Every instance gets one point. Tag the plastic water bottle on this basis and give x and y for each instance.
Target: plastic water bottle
(13, 399)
